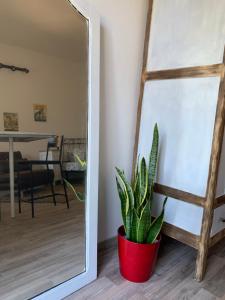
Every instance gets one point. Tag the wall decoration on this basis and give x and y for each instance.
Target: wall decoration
(10, 121)
(40, 112)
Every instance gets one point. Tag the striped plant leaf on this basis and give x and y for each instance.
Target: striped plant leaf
(135, 185)
(127, 188)
(129, 200)
(82, 163)
(143, 224)
(79, 196)
(156, 226)
(129, 222)
(136, 193)
(153, 156)
(134, 229)
(135, 179)
(143, 181)
(122, 202)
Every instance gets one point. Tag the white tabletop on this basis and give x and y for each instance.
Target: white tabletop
(19, 136)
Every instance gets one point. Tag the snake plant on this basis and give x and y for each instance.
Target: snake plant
(80, 196)
(136, 199)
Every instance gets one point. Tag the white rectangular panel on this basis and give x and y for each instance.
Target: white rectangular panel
(185, 112)
(181, 214)
(186, 33)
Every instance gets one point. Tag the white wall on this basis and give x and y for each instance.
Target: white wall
(122, 34)
(186, 33)
(185, 111)
(122, 40)
(58, 83)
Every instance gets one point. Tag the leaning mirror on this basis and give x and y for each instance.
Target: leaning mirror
(45, 147)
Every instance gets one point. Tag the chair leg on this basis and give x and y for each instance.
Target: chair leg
(66, 195)
(53, 193)
(19, 191)
(32, 193)
(64, 187)
(19, 200)
(51, 184)
(32, 202)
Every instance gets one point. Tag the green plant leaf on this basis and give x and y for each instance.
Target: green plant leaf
(123, 200)
(136, 193)
(143, 224)
(135, 185)
(156, 226)
(129, 200)
(134, 228)
(129, 220)
(143, 181)
(127, 188)
(135, 179)
(79, 196)
(82, 163)
(153, 156)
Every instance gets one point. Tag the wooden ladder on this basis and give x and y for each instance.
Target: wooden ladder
(202, 244)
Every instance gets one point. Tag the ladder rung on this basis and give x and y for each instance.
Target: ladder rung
(190, 72)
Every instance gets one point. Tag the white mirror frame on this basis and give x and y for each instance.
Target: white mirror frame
(91, 211)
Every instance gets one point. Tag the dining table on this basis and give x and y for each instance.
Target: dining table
(22, 137)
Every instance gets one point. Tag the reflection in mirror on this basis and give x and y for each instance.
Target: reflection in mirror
(43, 145)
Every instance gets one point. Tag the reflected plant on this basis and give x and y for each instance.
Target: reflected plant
(82, 163)
(80, 196)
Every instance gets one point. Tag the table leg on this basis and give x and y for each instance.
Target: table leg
(11, 171)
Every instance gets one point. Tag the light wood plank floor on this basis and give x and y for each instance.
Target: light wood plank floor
(173, 278)
(37, 254)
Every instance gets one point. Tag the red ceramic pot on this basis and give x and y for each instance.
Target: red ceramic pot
(137, 261)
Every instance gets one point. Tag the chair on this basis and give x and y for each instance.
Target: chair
(30, 182)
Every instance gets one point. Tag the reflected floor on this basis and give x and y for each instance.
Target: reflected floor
(37, 254)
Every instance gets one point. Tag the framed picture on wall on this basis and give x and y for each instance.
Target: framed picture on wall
(40, 112)
(11, 122)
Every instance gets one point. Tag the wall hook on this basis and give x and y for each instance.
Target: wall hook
(13, 68)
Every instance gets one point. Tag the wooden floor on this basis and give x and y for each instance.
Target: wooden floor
(173, 278)
(37, 254)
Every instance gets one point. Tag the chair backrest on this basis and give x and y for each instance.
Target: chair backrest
(4, 162)
(5, 156)
(55, 142)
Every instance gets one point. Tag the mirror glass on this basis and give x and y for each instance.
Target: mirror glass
(43, 145)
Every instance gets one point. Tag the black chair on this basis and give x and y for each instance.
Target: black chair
(30, 181)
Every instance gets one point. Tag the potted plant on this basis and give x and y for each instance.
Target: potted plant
(139, 237)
